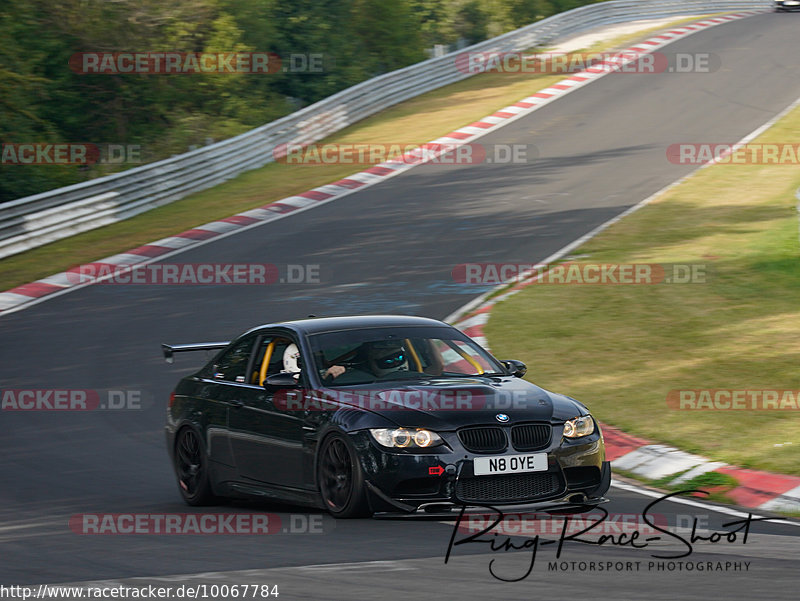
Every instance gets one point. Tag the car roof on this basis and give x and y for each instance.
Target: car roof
(316, 325)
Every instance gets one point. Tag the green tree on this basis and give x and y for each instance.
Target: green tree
(43, 100)
(470, 21)
(388, 34)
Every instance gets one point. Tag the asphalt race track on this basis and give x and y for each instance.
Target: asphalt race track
(390, 248)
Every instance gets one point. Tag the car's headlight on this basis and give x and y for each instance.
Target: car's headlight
(405, 438)
(579, 426)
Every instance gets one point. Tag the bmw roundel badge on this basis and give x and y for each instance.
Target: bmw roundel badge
(501, 417)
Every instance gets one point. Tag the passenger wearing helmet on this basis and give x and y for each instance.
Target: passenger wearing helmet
(292, 363)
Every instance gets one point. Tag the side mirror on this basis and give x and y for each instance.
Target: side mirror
(282, 380)
(516, 368)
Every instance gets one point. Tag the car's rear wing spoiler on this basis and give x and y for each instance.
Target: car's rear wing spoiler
(169, 349)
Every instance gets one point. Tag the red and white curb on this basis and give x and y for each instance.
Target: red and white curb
(32, 293)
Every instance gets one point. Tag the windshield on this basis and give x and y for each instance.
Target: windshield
(386, 354)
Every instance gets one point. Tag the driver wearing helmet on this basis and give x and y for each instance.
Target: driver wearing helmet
(385, 357)
(378, 358)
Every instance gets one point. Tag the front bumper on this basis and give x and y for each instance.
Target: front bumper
(787, 5)
(577, 475)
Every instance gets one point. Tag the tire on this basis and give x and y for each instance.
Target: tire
(340, 478)
(191, 468)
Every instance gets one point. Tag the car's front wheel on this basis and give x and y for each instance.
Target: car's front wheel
(341, 479)
(191, 467)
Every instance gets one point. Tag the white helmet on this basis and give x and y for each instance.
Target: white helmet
(291, 359)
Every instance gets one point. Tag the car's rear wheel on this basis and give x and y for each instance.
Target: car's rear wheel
(191, 466)
(341, 479)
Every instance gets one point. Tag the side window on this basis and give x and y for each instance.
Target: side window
(232, 366)
(275, 365)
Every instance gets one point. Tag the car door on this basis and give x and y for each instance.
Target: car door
(217, 384)
(266, 439)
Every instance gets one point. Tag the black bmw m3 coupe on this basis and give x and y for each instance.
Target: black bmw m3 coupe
(377, 415)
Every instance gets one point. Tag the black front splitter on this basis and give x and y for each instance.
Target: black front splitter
(448, 511)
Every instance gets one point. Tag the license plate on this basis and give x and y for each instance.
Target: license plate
(510, 464)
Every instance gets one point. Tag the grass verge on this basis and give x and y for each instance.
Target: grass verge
(415, 121)
(623, 348)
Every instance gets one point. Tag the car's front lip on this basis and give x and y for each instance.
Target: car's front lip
(405, 477)
(446, 510)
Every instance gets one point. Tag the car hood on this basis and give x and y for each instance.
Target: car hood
(449, 403)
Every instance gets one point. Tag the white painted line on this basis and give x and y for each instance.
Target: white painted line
(369, 566)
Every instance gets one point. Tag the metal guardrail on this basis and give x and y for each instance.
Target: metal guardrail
(33, 221)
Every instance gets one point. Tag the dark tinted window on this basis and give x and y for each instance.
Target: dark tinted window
(232, 365)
